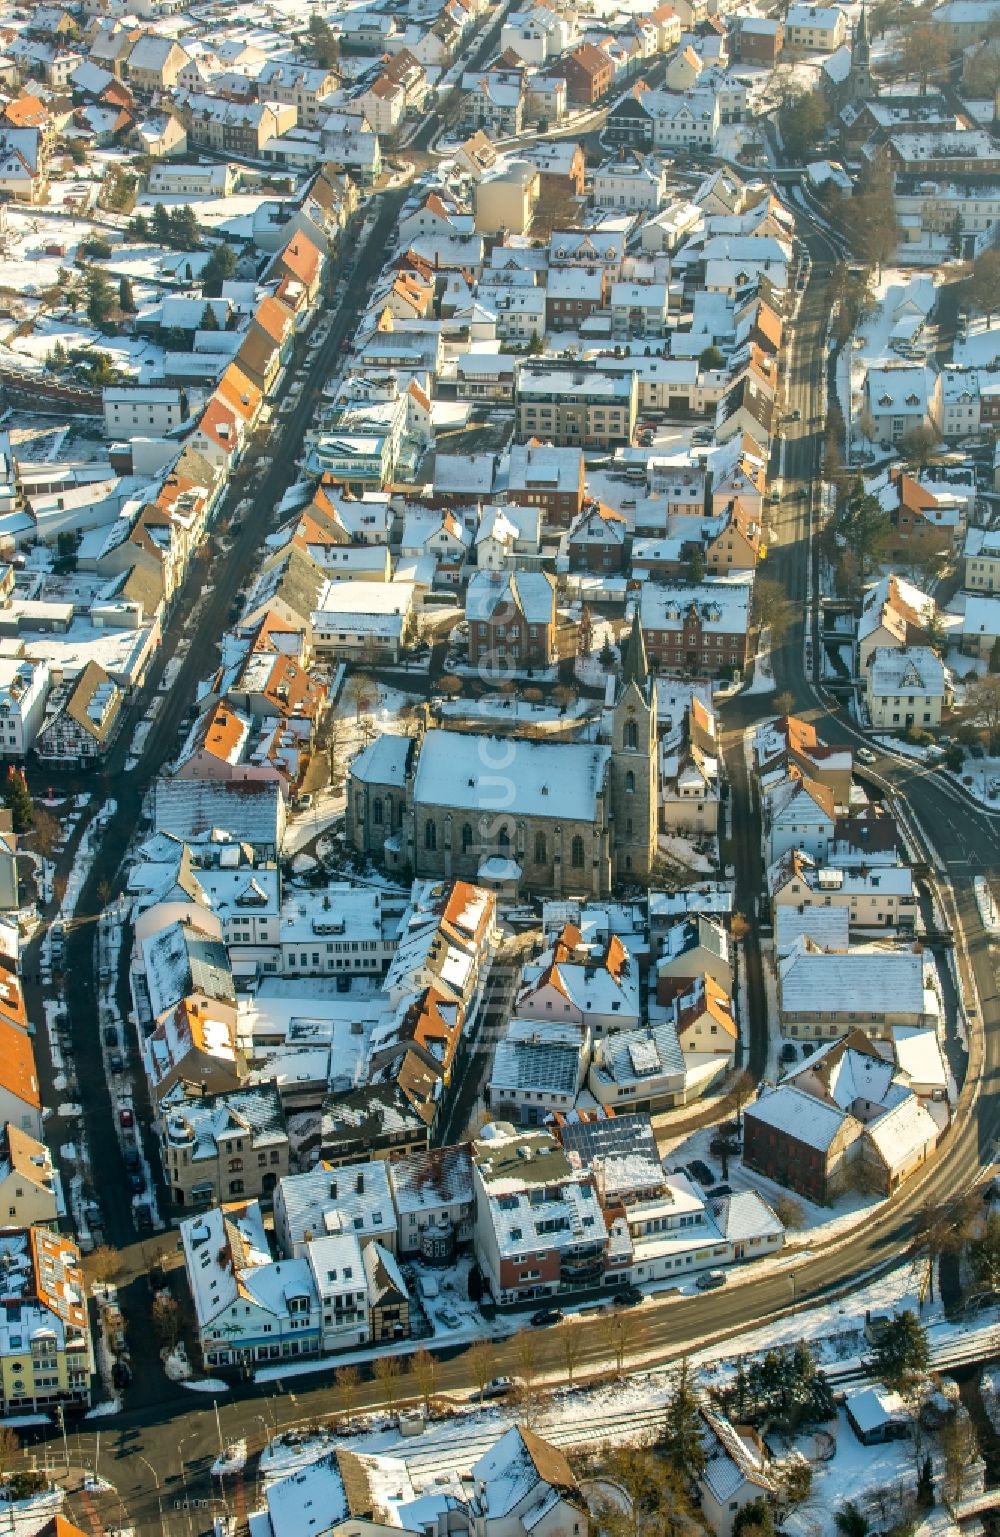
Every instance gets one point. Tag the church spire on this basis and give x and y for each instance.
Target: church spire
(635, 668)
(861, 58)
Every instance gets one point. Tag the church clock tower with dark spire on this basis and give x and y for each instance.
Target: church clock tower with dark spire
(862, 84)
(634, 777)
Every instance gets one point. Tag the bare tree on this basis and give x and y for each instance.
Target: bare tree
(960, 1448)
(361, 690)
(740, 1093)
(525, 1348)
(10, 1449)
(482, 1362)
(103, 1265)
(618, 1338)
(166, 1318)
(789, 1212)
(386, 1374)
(348, 1380)
(424, 1369)
(47, 831)
(572, 1349)
(450, 686)
(772, 609)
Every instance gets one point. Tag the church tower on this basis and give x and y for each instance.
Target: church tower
(634, 778)
(862, 85)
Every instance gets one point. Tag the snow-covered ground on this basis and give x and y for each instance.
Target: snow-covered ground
(631, 1410)
(893, 295)
(980, 778)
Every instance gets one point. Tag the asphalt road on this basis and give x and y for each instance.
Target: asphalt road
(159, 1454)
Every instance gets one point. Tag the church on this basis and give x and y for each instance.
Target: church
(560, 818)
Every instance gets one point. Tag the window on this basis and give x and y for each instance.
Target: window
(503, 838)
(630, 783)
(235, 1165)
(576, 853)
(631, 737)
(377, 811)
(466, 837)
(430, 836)
(539, 848)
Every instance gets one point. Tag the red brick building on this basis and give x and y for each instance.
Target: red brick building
(588, 73)
(512, 618)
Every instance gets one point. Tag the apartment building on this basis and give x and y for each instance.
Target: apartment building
(574, 408)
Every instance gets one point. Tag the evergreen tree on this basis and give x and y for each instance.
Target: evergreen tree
(755, 1518)
(161, 225)
(221, 266)
(100, 297)
(866, 526)
(17, 800)
(209, 320)
(682, 1427)
(126, 298)
(185, 232)
(901, 1354)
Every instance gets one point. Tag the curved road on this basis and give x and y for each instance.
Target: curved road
(178, 1437)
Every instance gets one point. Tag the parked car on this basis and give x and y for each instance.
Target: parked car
(628, 1297)
(126, 1116)
(136, 1183)
(110, 1036)
(865, 755)
(116, 1062)
(497, 1387)
(546, 1316)
(133, 1162)
(710, 1279)
(121, 1373)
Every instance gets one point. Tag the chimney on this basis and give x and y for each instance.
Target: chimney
(333, 1190)
(361, 1184)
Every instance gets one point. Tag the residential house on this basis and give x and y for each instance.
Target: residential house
(598, 540)
(46, 1350)
(900, 399)
(388, 1298)
(433, 1195)
(878, 897)
(907, 687)
(822, 993)
(538, 1069)
(86, 721)
(29, 1193)
(222, 1147)
(511, 618)
(552, 479)
(153, 63)
(702, 629)
(539, 1225)
(814, 28)
(588, 72)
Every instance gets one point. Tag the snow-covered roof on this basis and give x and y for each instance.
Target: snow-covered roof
(546, 779)
(869, 982)
(797, 1114)
(905, 1132)
(354, 1198)
(429, 1179)
(910, 670)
